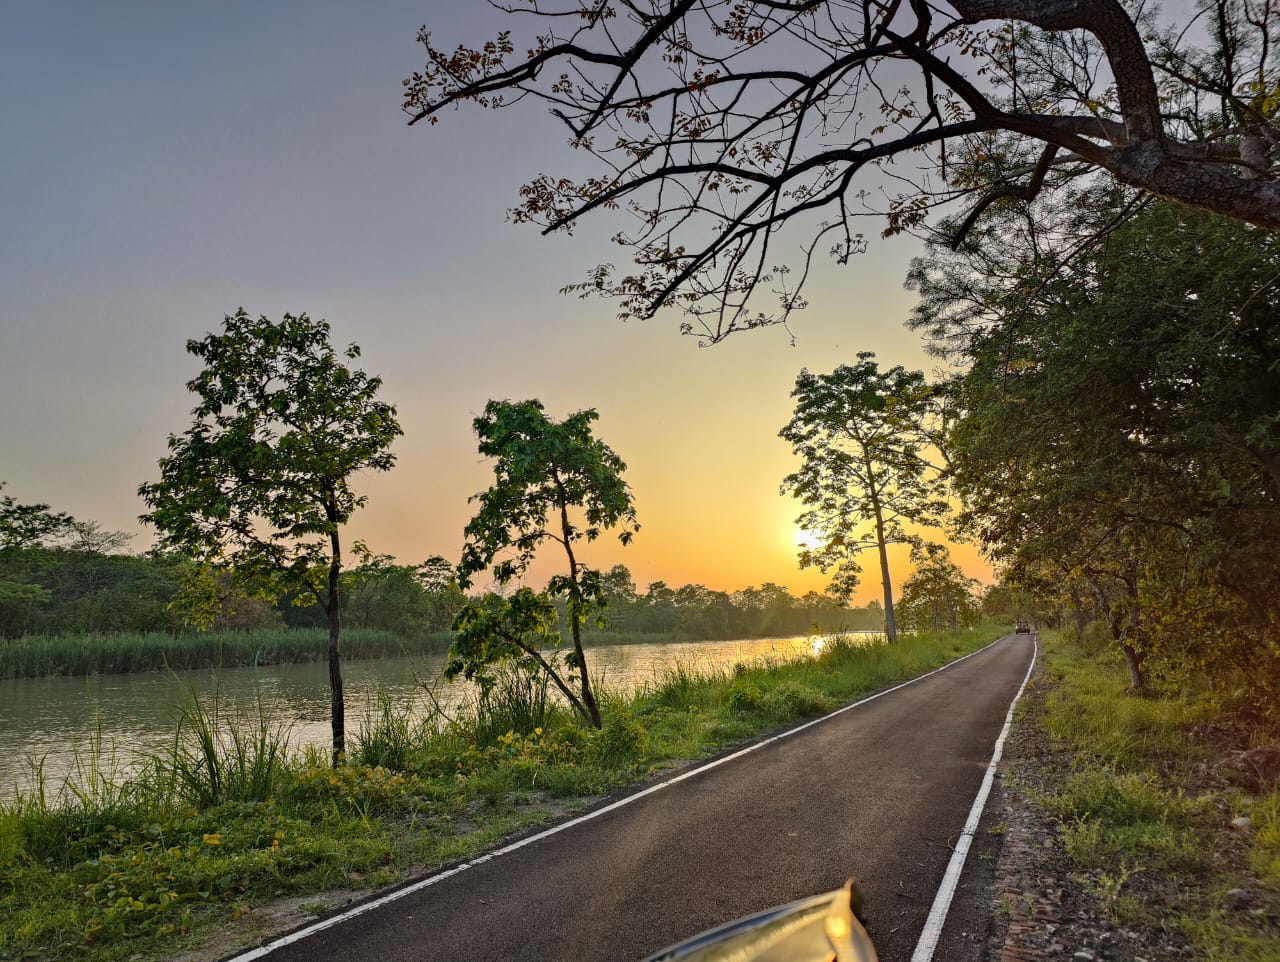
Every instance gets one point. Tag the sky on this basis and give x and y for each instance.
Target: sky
(162, 165)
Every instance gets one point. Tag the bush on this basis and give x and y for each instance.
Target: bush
(744, 697)
(621, 744)
(793, 699)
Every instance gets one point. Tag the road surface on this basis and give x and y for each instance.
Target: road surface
(879, 793)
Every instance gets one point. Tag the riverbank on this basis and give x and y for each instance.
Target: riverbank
(47, 656)
(1133, 828)
(227, 837)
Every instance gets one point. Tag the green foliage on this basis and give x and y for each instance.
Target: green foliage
(553, 481)
(29, 525)
(861, 434)
(938, 594)
(1117, 442)
(409, 600)
(260, 483)
(281, 425)
(622, 743)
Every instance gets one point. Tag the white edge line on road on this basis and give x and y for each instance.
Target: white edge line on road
(418, 886)
(932, 931)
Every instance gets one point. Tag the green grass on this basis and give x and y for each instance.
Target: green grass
(37, 656)
(141, 867)
(1139, 818)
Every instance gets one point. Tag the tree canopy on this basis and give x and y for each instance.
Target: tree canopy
(861, 434)
(1118, 429)
(715, 123)
(554, 481)
(260, 484)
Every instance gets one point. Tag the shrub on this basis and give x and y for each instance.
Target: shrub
(622, 743)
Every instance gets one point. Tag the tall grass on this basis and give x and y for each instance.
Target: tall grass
(37, 656)
(1138, 815)
(217, 758)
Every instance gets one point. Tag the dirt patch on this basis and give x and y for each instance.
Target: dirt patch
(262, 923)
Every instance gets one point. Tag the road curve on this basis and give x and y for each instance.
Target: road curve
(878, 793)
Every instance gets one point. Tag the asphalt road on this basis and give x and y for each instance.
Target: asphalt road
(879, 793)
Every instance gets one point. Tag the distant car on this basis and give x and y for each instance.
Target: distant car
(1022, 628)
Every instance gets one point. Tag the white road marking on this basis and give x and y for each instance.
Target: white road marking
(418, 886)
(947, 889)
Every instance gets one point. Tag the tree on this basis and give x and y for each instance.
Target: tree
(30, 525)
(714, 123)
(260, 484)
(1118, 429)
(409, 600)
(861, 433)
(938, 594)
(553, 481)
(24, 527)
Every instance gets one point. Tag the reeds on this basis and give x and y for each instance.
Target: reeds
(217, 758)
(38, 656)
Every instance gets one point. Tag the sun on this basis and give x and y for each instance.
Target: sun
(805, 539)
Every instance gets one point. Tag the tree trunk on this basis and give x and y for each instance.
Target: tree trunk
(588, 696)
(890, 623)
(338, 708)
(1133, 658)
(575, 619)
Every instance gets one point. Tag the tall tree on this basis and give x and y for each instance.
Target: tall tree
(862, 435)
(554, 481)
(1119, 427)
(717, 122)
(30, 525)
(938, 594)
(261, 481)
(24, 527)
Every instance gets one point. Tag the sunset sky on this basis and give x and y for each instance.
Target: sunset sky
(164, 164)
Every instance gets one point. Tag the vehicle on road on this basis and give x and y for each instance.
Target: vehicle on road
(822, 928)
(1022, 628)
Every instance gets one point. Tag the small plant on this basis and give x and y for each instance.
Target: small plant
(622, 743)
(215, 759)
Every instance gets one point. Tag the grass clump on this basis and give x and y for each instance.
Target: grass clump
(1147, 810)
(139, 867)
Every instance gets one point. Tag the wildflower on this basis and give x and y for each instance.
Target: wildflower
(213, 838)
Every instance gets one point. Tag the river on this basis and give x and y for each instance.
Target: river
(55, 724)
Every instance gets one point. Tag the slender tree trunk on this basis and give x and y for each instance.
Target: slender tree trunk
(338, 708)
(1132, 656)
(588, 696)
(1133, 659)
(575, 619)
(890, 623)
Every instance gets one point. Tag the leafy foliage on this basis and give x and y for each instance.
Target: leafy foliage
(861, 434)
(938, 594)
(1118, 436)
(260, 483)
(553, 481)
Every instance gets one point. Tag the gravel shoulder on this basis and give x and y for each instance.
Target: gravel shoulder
(1040, 902)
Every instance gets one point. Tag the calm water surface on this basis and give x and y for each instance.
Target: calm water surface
(51, 722)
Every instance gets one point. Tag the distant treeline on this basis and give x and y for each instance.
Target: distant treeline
(84, 584)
